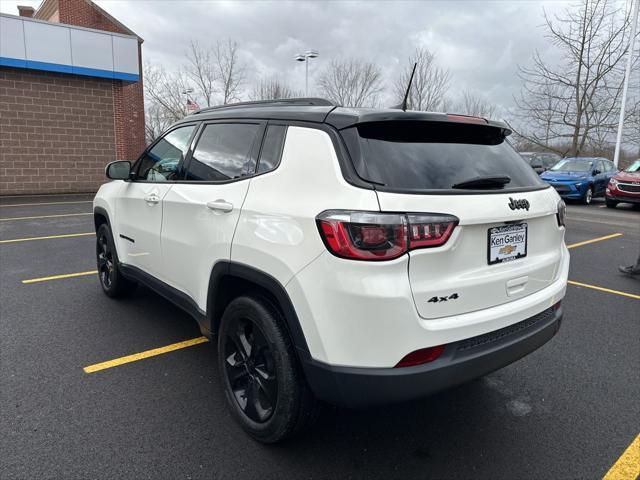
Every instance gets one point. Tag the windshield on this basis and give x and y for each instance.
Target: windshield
(419, 156)
(634, 167)
(531, 158)
(573, 166)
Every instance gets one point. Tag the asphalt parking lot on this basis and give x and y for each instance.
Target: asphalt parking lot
(569, 410)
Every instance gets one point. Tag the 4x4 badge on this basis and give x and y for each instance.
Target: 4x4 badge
(517, 204)
(453, 296)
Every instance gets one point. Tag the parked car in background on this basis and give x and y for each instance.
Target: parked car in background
(624, 187)
(580, 178)
(541, 161)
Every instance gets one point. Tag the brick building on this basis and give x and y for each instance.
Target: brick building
(71, 97)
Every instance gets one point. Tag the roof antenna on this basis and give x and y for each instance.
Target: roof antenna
(403, 105)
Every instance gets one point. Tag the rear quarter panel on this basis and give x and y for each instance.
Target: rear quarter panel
(277, 231)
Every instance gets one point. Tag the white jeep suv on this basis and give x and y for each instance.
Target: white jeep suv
(351, 256)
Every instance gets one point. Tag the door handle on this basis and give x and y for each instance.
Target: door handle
(152, 198)
(220, 206)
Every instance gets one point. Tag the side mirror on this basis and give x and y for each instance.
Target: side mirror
(596, 172)
(118, 170)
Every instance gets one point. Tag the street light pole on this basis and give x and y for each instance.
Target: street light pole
(305, 57)
(632, 42)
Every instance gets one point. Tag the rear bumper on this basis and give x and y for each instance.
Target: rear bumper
(461, 361)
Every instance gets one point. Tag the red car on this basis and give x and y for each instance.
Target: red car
(624, 187)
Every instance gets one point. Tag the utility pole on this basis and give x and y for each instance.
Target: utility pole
(632, 44)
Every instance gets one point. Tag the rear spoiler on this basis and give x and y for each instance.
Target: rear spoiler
(341, 118)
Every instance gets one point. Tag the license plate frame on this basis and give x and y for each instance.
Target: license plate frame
(494, 256)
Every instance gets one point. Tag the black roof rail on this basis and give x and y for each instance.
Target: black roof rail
(283, 102)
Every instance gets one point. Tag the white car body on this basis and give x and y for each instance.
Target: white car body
(352, 314)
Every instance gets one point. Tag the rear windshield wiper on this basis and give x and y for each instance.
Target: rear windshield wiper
(482, 182)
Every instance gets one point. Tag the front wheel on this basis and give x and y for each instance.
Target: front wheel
(262, 379)
(113, 283)
(588, 196)
(611, 203)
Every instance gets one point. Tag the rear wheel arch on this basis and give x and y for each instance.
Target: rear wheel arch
(230, 280)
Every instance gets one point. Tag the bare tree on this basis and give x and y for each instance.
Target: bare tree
(272, 89)
(155, 121)
(575, 103)
(230, 71)
(164, 100)
(352, 83)
(476, 105)
(430, 82)
(202, 71)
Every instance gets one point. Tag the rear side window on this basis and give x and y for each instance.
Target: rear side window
(271, 148)
(427, 156)
(223, 152)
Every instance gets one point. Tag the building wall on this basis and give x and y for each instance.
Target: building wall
(128, 97)
(128, 101)
(129, 120)
(57, 131)
(83, 14)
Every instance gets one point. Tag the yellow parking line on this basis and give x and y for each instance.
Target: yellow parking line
(602, 289)
(43, 203)
(45, 216)
(627, 467)
(60, 277)
(142, 355)
(48, 237)
(594, 240)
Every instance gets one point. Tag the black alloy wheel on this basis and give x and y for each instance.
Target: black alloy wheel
(250, 369)
(262, 378)
(113, 283)
(105, 260)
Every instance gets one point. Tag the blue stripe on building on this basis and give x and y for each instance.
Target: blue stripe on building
(60, 68)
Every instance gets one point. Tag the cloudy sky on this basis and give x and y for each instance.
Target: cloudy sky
(480, 42)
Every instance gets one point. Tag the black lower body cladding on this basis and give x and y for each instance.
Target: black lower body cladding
(461, 362)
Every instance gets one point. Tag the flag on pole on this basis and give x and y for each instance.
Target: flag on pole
(192, 105)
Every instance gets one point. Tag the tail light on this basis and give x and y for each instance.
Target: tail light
(562, 213)
(382, 236)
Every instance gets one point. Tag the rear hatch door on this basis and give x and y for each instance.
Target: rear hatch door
(507, 244)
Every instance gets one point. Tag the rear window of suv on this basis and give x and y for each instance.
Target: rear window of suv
(434, 156)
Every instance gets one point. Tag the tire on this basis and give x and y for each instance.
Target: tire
(113, 283)
(611, 203)
(261, 376)
(588, 196)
